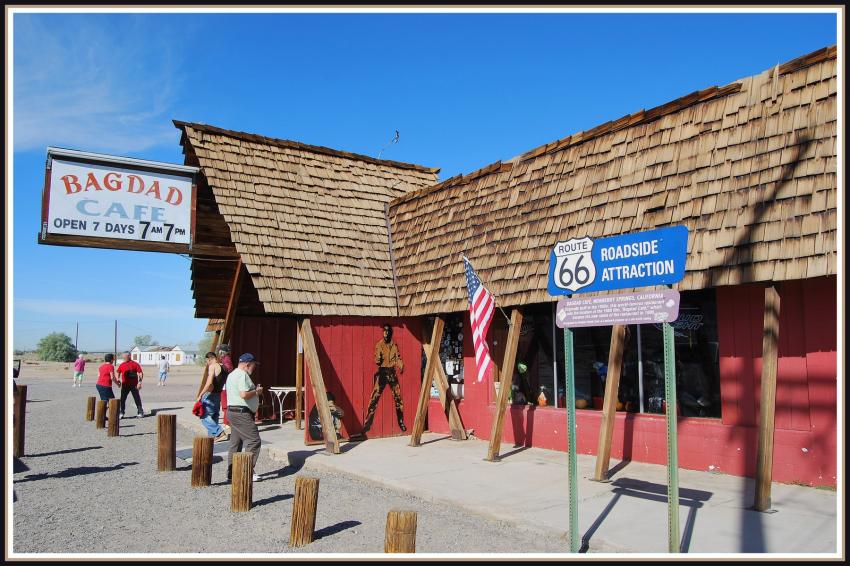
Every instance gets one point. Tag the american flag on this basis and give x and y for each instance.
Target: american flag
(481, 307)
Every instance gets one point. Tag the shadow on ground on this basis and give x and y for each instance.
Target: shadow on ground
(74, 472)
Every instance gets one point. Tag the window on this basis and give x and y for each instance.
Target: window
(534, 374)
(176, 357)
(697, 362)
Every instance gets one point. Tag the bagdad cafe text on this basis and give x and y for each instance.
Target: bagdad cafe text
(107, 201)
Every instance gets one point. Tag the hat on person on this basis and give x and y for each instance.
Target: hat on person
(247, 358)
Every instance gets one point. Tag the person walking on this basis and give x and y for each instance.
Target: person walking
(210, 397)
(224, 357)
(79, 369)
(106, 377)
(243, 399)
(131, 376)
(164, 366)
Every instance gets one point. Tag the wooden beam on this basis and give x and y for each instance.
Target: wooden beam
(446, 398)
(425, 388)
(220, 252)
(299, 378)
(505, 385)
(767, 406)
(319, 392)
(609, 405)
(232, 302)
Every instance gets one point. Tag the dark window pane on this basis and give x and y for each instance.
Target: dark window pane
(697, 358)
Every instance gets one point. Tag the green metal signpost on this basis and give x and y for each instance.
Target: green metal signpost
(574, 265)
(672, 442)
(569, 362)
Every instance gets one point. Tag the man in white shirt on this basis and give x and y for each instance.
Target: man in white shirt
(243, 399)
(163, 369)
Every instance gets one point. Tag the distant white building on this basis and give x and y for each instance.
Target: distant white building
(150, 356)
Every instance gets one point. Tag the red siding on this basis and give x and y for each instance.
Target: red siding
(806, 403)
(272, 340)
(346, 348)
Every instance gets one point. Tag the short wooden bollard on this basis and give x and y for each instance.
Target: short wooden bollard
(166, 441)
(20, 421)
(202, 453)
(242, 482)
(114, 419)
(400, 535)
(100, 414)
(303, 522)
(90, 408)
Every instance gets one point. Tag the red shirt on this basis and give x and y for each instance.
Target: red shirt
(103, 375)
(128, 366)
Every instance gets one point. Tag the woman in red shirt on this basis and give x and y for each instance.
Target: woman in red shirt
(106, 377)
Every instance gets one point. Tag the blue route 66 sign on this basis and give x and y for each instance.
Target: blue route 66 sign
(642, 259)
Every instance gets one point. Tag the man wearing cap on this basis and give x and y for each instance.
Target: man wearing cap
(243, 399)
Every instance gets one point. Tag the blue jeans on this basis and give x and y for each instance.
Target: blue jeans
(212, 406)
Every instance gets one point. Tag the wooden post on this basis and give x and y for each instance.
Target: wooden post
(242, 482)
(202, 454)
(767, 406)
(100, 415)
(20, 420)
(505, 385)
(400, 534)
(224, 334)
(90, 408)
(203, 380)
(319, 391)
(609, 405)
(299, 379)
(114, 420)
(303, 522)
(425, 388)
(232, 302)
(166, 442)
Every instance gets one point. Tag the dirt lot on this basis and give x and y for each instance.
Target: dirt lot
(78, 491)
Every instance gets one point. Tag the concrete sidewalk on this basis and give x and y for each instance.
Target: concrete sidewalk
(529, 487)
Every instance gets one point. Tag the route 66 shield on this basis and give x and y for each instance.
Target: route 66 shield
(574, 266)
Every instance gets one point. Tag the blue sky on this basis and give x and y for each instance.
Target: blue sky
(464, 90)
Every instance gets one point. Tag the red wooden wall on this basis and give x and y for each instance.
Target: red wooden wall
(806, 402)
(272, 340)
(346, 348)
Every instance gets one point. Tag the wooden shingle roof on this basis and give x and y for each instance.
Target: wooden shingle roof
(749, 168)
(307, 221)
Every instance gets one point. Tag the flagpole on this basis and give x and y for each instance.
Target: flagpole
(494, 295)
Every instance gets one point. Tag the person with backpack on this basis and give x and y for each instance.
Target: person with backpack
(131, 376)
(210, 397)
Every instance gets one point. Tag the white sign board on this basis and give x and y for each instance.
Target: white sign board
(645, 307)
(148, 203)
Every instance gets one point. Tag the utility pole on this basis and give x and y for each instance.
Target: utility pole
(77, 338)
(115, 347)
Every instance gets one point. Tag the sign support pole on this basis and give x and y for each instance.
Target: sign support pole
(672, 440)
(569, 364)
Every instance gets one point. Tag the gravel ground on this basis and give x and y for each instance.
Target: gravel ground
(76, 490)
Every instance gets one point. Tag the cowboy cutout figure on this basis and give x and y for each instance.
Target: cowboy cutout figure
(388, 360)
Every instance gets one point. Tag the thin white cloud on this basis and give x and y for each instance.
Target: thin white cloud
(114, 310)
(94, 82)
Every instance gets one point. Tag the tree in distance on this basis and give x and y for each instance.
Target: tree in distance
(56, 347)
(144, 341)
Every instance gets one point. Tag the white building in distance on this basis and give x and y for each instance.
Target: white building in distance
(150, 356)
